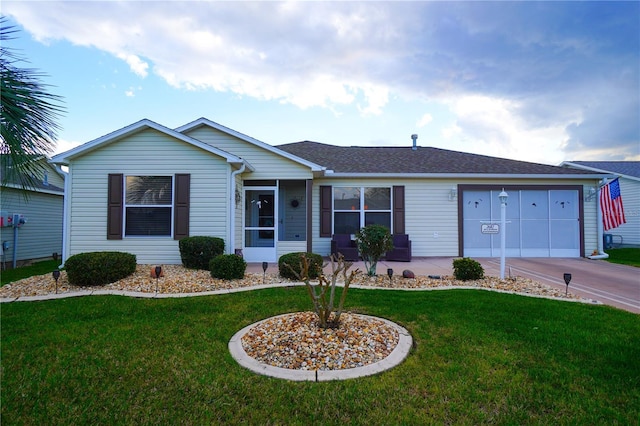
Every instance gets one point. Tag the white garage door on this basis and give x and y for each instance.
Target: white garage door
(540, 223)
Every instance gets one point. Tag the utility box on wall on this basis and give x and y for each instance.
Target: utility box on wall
(6, 219)
(19, 220)
(12, 219)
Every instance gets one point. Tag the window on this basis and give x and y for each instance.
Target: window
(148, 205)
(356, 207)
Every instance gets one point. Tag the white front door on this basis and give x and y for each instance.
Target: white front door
(260, 224)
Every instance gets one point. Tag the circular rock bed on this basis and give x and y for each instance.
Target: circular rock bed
(294, 346)
(296, 341)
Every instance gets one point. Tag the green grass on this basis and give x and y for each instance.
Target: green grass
(624, 256)
(38, 268)
(479, 357)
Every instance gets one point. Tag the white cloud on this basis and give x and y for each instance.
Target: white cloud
(424, 120)
(137, 65)
(131, 91)
(526, 80)
(64, 145)
(495, 127)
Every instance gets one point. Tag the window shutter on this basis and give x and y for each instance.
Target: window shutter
(114, 206)
(398, 210)
(325, 211)
(181, 205)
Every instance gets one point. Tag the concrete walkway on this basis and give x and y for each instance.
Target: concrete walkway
(608, 283)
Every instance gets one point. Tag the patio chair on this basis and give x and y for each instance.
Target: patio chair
(401, 249)
(342, 243)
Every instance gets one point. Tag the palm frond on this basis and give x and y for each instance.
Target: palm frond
(28, 116)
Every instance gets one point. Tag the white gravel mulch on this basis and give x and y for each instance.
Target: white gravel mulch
(178, 279)
(297, 342)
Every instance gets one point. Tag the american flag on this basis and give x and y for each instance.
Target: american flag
(611, 205)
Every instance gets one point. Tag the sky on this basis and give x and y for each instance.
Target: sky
(544, 82)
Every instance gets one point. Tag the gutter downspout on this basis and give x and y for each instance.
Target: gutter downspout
(232, 208)
(66, 215)
(601, 254)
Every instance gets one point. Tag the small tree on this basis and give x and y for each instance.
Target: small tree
(28, 116)
(373, 242)
(324, 293)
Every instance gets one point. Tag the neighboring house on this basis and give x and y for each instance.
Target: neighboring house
(627, 234)
(42, 206)
(143, 187)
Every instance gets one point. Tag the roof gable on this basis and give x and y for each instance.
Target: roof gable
(419, 161)
(629, 169)
(42, 182)
(270, 148)
(139, 126)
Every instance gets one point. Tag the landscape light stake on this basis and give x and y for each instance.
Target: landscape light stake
(56, 275)
(390, 274)
(158, 272)
(265, 265)
(567, 280)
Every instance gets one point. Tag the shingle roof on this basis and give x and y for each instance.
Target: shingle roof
(11, 179)
(628, 168)
(423, 160)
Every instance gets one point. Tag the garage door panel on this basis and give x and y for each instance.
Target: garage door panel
(535, 205)
(563, 204)
(477, 205)
(540, 223)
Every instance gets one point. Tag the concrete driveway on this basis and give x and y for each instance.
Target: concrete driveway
(608, 283)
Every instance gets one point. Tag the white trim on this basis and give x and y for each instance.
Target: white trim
(65, 157)
(31, 189)
(610, 173)
(206, 122)
(231, 222)
(331, 174)
(66, 216)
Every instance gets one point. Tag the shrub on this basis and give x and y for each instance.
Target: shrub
(196, 252)
(467, 269)
(228, 267)
(98, 268)
(373, 241)
(290, 265)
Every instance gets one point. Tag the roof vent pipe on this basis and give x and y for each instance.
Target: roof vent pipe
(415, 138)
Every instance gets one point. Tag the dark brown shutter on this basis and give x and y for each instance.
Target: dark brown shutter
(114, 207)
(181, 205)
(326, 214)
(398, 210)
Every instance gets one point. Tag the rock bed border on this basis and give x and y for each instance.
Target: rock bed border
(397, 355)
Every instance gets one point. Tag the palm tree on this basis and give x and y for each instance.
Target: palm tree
(28, 116)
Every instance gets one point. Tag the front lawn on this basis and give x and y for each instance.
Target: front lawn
(624, 256)
(38, 268)
(479, 357)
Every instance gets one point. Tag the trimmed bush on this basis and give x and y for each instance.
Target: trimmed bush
(290, 265)
(466, 269)
(373, 241)
(99, 268)
(196, 252)
(228, 267)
